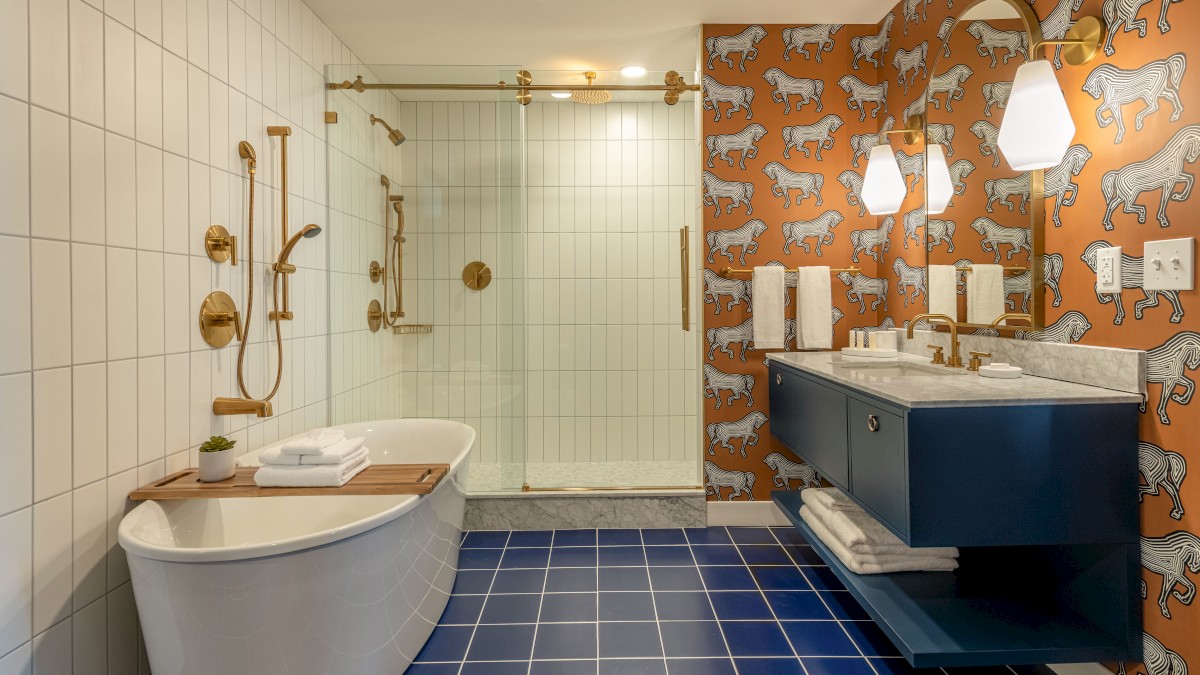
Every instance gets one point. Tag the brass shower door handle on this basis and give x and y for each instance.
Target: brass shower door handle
(684, 279)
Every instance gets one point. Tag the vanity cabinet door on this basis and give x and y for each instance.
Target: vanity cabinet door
(877, 463)
(810, 419)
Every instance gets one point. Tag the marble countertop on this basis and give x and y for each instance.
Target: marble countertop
(926, 386)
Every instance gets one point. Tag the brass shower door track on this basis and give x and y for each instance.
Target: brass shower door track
(673, 86)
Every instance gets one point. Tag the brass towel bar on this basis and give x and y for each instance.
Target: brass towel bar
(1007, 270)
(729, 271)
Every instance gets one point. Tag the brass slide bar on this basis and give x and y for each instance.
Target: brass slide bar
(683, 276)
(729, 271)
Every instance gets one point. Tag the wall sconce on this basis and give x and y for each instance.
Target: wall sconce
(1037, 127)
(883, 187)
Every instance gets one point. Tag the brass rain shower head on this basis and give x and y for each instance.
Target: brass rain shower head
(393, 135)
(591, 96)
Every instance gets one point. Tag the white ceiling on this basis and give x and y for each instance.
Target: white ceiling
(560, 34)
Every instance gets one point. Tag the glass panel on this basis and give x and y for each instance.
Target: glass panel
(613, 398)
(460, 172)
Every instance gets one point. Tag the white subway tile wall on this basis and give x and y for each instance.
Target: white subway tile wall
(119, 124)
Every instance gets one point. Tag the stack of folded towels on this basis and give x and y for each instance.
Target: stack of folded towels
(861, 542)
(319, 458)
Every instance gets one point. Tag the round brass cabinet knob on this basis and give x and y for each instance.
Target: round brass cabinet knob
(477, 276)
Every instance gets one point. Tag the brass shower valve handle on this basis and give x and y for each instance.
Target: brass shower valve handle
(977, 360)
(220, 245)
(220, 320)
(225, 319)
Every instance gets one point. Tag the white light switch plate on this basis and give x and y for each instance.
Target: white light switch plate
(1170, 265)
(1108, 270)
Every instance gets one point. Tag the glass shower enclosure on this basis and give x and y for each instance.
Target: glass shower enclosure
(572, 365)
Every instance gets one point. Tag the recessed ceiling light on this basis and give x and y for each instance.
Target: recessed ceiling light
(561, 94)
(633, 71)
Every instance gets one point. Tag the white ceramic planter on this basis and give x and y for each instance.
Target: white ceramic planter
(215, 466)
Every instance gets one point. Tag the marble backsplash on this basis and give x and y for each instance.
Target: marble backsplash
(1107, 367)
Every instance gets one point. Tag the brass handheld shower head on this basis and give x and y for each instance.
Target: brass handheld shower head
(394, 136)
(307, 232)
(247, 153)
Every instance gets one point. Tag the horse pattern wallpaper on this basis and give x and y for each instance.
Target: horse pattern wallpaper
(773, 91)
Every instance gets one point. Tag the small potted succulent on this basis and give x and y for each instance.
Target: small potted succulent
(216, 459)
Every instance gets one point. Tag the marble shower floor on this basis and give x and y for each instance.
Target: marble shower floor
(501, 478)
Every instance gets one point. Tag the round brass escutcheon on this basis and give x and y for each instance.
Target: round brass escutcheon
(218, 319)
(218, 244)
(374, 316)
(1089, 30)
(376, 271)
(477, 276)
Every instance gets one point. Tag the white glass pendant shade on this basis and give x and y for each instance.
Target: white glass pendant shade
(883, 187)
(1037, 127)
(940, 188)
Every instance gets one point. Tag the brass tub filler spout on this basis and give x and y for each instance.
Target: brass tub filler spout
(954, 360)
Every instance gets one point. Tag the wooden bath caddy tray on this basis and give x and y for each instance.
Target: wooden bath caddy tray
(377, 479)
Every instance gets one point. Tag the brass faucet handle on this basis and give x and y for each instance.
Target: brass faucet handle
(977, 360)
(220, 245)
(938, 356)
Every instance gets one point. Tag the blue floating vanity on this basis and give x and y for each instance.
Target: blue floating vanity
(1035, 480)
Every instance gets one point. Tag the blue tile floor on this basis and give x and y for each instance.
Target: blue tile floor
(712, 601)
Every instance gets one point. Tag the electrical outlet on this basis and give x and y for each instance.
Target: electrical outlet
(1170, 265)
(1108, 270)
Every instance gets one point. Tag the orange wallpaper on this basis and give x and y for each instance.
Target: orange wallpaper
(1137, 115)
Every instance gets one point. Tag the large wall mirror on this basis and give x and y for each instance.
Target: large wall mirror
(996, 215)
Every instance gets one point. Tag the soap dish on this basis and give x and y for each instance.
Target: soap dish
(1000, 370)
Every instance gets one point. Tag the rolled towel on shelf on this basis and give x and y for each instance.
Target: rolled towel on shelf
(861, 563)
(860, 533)
(829, 498)
(313, 442)
(325, 475)
(814, 308)
(767, 296)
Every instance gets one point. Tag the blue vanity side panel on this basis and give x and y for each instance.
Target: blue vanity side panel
(1023, 475)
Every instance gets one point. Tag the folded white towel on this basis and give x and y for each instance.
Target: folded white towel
(985, 293)
(943, 290)
(312, 442)
(328, 475)
(325, 460)
(274, 455)
(860, 533)
(336, 453)
(829, 498)
(814, 309)
(767, 296)
(861, 563)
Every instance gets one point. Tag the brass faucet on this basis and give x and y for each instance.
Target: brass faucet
(954, 360)
(1004, 318)
(224, 405)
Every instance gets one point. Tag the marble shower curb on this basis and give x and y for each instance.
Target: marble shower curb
(550, 511)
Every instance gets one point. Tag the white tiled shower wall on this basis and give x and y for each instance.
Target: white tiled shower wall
(119, 121)
(587, 304)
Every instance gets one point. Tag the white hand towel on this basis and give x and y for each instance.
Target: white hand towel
(312, 442)
(814, 309)
(828, 498)
(768, 293)
(274, 455)
(334, 454)
(860, 563)
(859, 532)
(985, 293)
(360, 451)
(943, 290)
(329, 475)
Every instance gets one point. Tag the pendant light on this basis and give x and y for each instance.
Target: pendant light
(1037, 127)
(883, 187)
(940, 189)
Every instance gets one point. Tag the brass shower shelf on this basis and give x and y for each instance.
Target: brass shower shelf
(378, 479)
(412, 328)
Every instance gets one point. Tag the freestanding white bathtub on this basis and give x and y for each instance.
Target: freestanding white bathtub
(302, 585)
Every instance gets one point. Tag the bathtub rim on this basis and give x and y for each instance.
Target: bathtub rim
(135, 545)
